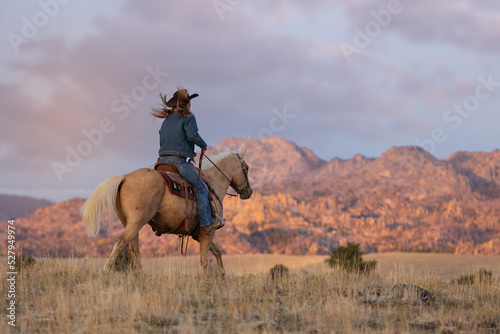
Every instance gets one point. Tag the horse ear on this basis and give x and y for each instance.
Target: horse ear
(242, 153)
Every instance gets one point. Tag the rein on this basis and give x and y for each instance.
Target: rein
(230, 182)
(234, 186)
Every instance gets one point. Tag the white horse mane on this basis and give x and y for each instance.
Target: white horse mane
(217, 158)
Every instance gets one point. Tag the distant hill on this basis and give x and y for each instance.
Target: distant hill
(12, 206)
(281, 166)
(404, 200)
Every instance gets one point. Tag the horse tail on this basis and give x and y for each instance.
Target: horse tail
(100, 203)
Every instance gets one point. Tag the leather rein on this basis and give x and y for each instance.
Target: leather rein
(231, 183)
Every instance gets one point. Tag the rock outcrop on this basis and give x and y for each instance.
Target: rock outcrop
(405, 200)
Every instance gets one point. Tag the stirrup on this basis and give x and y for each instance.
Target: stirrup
(222, 221)
(217, 224)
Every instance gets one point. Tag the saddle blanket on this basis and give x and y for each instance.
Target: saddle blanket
(177, 183)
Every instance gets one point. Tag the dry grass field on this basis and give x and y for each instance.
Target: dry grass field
(75, 296)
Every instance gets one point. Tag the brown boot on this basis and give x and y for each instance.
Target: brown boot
(217, 224)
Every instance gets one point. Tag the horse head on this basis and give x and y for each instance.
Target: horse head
(240, 182)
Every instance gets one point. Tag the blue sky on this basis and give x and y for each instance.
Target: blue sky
(248, 60)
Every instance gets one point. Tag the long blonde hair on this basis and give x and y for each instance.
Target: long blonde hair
(181, 107)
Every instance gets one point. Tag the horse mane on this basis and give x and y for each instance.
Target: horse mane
(206, 164)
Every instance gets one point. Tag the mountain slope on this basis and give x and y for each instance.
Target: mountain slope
(276, 163)
(482, 169)
(405, 200)
(12, 206)
(280, 166)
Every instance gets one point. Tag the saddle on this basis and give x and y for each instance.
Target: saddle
(179, 186)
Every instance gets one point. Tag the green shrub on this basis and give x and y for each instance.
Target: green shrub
(481, 276)
(279, 271)
(350, 259)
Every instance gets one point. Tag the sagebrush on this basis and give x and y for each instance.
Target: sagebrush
(350, 259)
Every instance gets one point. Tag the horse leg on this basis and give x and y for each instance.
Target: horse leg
(135, 254)
(137, 203)
(127, 236)
(205, 242)
(218, 255)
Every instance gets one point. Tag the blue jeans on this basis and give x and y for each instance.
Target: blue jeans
(187, 172)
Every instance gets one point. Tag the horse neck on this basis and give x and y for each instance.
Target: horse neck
(219, 181)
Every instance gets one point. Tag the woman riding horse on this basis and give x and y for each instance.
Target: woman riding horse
(141, 197)
(178, 135)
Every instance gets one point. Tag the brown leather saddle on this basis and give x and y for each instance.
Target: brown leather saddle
(163, 167)
(178, 185)
(181, 187)
(172, 171)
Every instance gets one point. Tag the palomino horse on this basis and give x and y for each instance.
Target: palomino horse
(142, 196)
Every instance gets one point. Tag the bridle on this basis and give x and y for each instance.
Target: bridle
(231, 183)
(247, 181)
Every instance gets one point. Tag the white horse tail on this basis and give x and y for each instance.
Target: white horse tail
(100, 204)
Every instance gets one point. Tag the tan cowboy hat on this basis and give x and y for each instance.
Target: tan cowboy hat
(173, 101)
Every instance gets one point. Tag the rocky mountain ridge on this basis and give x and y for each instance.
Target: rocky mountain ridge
(404, 200)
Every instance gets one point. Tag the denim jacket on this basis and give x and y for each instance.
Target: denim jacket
(178, 135)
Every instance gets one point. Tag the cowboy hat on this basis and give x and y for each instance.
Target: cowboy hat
(173, 101)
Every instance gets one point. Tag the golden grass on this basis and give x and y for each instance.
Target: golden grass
(441, 266)
(75, 296)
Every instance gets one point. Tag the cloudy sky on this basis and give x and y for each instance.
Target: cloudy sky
(78, 79)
